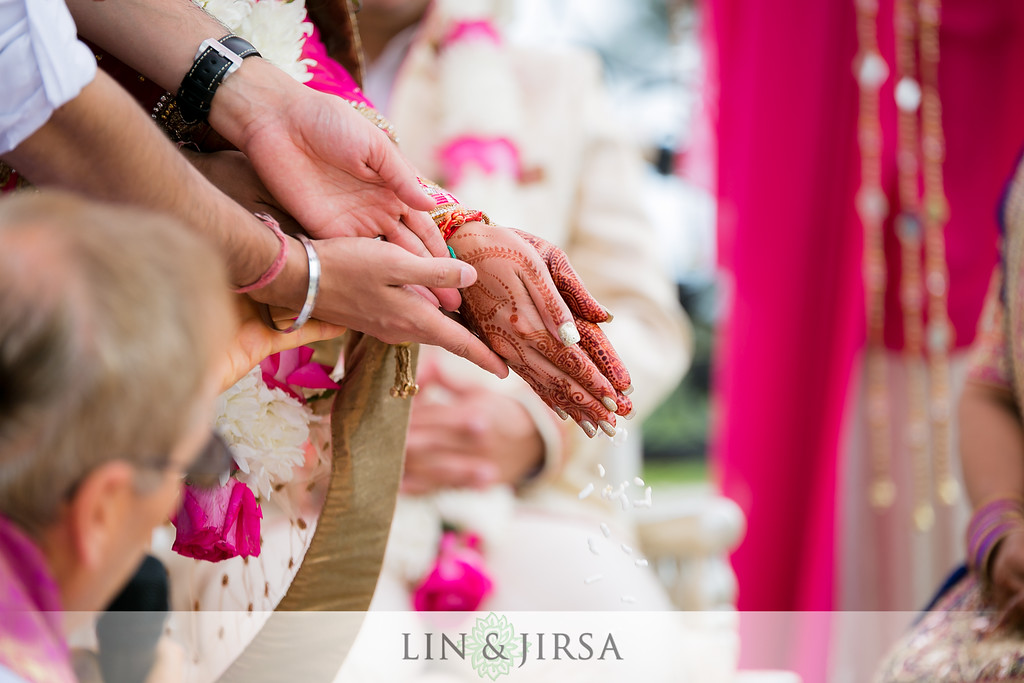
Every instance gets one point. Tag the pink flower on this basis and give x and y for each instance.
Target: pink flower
(480, 29)
(493, 156)
(217, 524)
(458, 581)
(295, 368)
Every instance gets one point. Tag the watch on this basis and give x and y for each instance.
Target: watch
(214, 61)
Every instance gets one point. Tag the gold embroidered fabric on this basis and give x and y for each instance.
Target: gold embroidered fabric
(957, 641)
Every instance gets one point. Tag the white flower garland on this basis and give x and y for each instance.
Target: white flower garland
(495, 109)
(266, 429)
(277, 28)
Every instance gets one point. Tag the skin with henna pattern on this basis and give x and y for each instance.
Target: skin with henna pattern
(587, 313)
(516, 268)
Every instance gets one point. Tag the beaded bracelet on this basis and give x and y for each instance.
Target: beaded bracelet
(989, 525)
(277, 266)
(311, 293)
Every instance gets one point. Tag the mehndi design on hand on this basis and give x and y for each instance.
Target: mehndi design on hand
(514, 307)
(588, 313)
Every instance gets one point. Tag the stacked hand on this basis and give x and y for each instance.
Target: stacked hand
(464, 435)
(531, 308)
(368, 285)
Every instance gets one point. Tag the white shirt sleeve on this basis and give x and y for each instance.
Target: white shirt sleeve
(43, 65)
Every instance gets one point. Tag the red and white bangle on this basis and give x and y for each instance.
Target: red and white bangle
(277, 266)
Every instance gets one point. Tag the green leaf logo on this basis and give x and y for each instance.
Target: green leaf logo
(492, 646)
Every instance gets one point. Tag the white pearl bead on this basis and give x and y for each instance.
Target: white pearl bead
(908, 95)
(873, 70)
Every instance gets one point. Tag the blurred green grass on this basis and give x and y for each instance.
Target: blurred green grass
(676, 434)
(675, 472)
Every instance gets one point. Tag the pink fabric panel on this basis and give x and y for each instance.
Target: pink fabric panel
(790, 242)
(790, 247)
(328, 75)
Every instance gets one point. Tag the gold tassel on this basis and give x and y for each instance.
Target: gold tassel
(405, 382)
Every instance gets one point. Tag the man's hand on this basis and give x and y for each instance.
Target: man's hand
(255, 341)
(330, 168)
(463, 435)
(517, 308)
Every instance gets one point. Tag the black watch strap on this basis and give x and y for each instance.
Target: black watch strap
(240, 46)
(208, 70)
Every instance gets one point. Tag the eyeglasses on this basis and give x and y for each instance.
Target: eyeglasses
(211, 467)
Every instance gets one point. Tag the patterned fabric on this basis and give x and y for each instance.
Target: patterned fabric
(957, 641)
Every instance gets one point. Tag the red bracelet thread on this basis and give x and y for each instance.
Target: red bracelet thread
(278, 265)
(453, 220)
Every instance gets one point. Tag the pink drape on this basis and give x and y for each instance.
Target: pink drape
(790, 245)
(790, 249)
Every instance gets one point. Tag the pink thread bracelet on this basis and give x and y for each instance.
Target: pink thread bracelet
(277, 266)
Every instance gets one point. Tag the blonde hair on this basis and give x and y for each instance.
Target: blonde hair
(108, 321)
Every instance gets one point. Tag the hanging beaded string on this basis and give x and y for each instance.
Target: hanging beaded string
(909, 232)
(872, 208)
(936, 214)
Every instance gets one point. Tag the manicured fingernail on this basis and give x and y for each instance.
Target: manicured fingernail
(589, 428)
(630, 415)
(610, 316)
(569, 334)
(561, 413)
(607, 428)
(467, 275)
(628, 391)
(610, 404)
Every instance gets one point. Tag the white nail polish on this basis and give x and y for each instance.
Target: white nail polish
(569, 334)
(630, 415)
(628, 391)
(610, 404)
(607, 428)
(561, 413)
(589, 428)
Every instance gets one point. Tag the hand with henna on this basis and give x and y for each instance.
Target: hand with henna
(531, 308)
